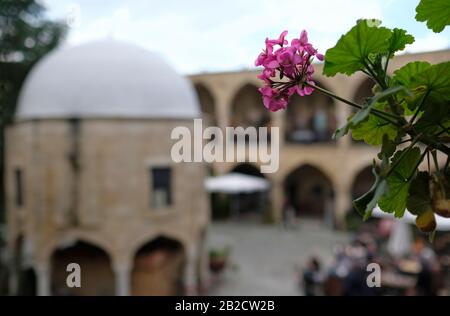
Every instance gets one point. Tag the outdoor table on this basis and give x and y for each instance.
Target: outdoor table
(397, 282)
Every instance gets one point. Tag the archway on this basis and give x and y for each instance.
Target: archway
(248, 109)
(207, 104)
(363, 182)
(248, 169)
(97, 277)
(254, 205)
(158, 268)
(309, 192)
(310, 119)
(364, 91)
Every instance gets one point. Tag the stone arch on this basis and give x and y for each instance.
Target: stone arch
(362, 182)
(207, 104)
(72, 237)
(158, 267)
(247, 108)
(97, 277)
(248, 169)
(309, 192)
(363, 90)
(310, 119)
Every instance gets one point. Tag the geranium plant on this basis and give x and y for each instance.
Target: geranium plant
(408, 116)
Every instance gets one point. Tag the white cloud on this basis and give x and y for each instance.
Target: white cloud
(431, 42)
(225, 35)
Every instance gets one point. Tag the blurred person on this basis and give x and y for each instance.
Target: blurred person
(355, 283)
(312, 278)
(429, 277)
(288, 214)
(320, 122)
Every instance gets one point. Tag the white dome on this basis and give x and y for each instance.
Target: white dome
(105, 79)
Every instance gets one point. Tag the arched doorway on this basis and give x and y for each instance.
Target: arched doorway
(310, 193)
(310, 119)
(363, 182)
(207, 104)
(364, 91)
(158, 268)
(252, 206)
(97, 277)
(248, 169)
(248, 109)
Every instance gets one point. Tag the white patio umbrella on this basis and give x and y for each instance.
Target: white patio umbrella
(236, 183)
(400, 240)
(442, 223)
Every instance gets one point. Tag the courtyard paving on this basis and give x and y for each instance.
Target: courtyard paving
(265, 258)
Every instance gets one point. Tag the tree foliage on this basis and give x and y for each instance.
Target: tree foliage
(25, 36)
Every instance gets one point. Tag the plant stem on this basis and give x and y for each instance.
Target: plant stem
(402, 155)
(400, 122)
(381, 114)
(405, 141)
(418, 164)
(445, 130)
(419, 108)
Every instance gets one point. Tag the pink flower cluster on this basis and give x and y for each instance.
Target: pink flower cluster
(293, 63)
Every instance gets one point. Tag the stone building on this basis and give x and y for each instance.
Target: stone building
(319, 177)
(91, 181)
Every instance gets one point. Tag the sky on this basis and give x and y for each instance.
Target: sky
(197, 36)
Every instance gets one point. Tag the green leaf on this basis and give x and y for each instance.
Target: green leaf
(404, 75)
(363, 113)
(373, 130)
(435, 116)
(388, 147)
(419, 200)
(424, 79)
(399, 40)
(354, 48)
(435, 12)
(435, 80)
(366, 203)
(405, 162)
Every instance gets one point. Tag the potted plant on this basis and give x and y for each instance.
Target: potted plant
(218, 259)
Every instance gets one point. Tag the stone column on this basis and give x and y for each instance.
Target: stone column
(223, 112)
(204, 264)
(190, 272)
(122, 273)
(277, 196)
(43, 279)
(343, 202)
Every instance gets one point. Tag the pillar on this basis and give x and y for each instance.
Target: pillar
(122, 274)
(190, 272)
(343, 202)
(204, 263)
(277, 200)
(43, 279)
